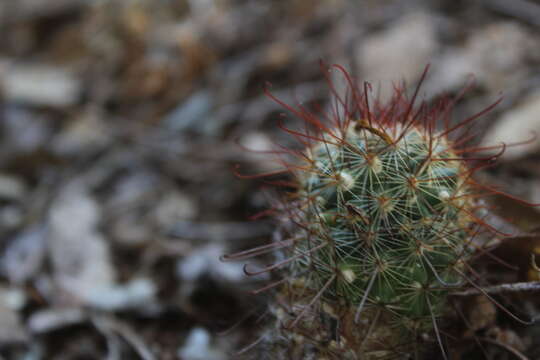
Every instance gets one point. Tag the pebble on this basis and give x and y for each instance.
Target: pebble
(11, 187)
(400, 52)
(517, 125)
(198, 347)
(40, 85)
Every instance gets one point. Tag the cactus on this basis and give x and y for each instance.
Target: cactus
(385, 216)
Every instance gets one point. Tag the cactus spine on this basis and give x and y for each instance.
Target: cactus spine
(384, 216)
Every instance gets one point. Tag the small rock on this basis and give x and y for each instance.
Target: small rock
(256, 141)
(135, 293)
(43, 321)
(11, 187)
(257, 145)
(495, 56)
(11, 329)
(191, 114)
(198, 347)
(450, 72)
(398, 53)
(24, 130)
(81, 258)
(517, 125)
(41, 85)
(12, 298)
(500, 51)
(79, 253)
(24, 255)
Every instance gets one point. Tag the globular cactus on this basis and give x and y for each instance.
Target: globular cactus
(385, 216)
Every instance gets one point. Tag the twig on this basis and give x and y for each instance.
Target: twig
(107, 325)
(502, 288)
(507, 347)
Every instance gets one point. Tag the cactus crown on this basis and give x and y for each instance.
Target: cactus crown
(386, 212)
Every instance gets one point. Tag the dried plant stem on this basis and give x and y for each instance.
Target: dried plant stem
(502, 288)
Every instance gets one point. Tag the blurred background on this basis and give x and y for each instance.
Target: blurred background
(121, 122)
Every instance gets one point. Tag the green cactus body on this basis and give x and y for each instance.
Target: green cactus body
(384, 214)
(386, 226)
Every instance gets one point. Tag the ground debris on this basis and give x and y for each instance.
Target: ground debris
(125, 126)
